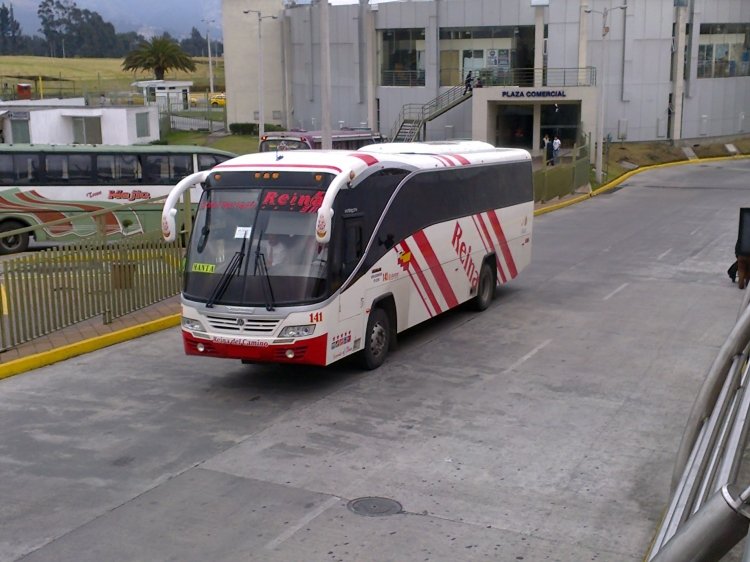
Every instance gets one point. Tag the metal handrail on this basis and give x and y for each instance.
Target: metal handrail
(707, 515)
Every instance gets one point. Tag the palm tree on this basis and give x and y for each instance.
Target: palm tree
(159, 55)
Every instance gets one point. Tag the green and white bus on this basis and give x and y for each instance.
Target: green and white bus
(45, 183)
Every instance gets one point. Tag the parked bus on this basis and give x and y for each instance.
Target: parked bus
(310, 257)
(44, 183)
(343, 139)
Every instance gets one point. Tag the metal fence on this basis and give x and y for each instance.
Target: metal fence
(573, 172)
(57, 287)
(708, 514)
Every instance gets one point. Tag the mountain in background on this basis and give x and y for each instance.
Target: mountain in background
(147, 17)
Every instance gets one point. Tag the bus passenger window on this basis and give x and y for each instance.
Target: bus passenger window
(156, 169)
(180, 167)
(105, 167)
(56, 168)
(79, 168)
(27, 168)
(6, 169)
(353, 246)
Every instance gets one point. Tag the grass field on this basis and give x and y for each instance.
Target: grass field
(77, 76)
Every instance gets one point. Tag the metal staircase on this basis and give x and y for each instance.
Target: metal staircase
(410, 125)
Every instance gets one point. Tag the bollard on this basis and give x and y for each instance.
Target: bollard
(719, 525)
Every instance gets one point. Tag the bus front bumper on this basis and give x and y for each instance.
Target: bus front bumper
(310, 351)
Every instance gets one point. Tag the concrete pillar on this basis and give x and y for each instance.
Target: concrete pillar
(583, 40)
(678, 86)
(537, 133)
(538, 46)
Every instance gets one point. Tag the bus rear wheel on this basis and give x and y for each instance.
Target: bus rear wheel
(15, 243)
(485, 288)
(377, 339)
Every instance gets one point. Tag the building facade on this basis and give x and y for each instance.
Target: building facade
(655, 69)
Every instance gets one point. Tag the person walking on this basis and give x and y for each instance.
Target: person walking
(467, 83)
(548, 152)
(556, 150)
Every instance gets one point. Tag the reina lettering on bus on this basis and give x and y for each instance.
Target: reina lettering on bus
(464, 256)
(292, 201)
(128, 195)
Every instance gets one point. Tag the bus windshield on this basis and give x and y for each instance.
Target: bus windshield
(259, 246)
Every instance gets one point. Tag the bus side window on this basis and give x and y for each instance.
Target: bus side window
(180, 167)
(208, 161)
(105, 167)
(6, 169)
(56, 168)
(27, 168)
(354, 245)
(156, 169)
(79, 168)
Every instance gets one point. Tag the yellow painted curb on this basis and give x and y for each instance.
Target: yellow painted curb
(45, 358)
(627, 175)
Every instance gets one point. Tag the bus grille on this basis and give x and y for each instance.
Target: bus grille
(243, 325)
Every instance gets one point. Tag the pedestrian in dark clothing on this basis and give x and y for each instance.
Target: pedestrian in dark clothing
(549, 153)
(467, 83)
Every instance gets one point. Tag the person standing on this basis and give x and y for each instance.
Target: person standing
(556, 150)
(548, 155)
(467, 83)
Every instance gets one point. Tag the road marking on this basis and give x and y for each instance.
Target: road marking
(302, 522)
(613, 293)
(526, 357)
(663, 254)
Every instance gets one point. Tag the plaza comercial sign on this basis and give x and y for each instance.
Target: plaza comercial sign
(532, 94)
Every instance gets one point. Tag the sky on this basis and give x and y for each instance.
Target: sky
(148, 17)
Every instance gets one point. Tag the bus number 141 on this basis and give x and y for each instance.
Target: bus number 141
(316, 317)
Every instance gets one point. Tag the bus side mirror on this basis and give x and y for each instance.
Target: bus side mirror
(168, 227)
(323, 225)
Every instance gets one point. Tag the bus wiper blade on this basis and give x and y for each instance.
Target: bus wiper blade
(226, 278)
(260, 264)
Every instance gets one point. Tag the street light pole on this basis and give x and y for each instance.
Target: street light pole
(261, 113)
(210, 66)
(602, 89)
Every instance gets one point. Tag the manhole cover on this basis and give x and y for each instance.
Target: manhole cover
(374, 507)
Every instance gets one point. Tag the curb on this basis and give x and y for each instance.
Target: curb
(627, 175)
(45, 358)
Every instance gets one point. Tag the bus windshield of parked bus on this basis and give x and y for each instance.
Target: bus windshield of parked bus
(343, 139)
(253, 243)
(44, 183)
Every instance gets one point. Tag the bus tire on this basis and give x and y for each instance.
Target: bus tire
(16, 243)
(485, 287)
(377, 339)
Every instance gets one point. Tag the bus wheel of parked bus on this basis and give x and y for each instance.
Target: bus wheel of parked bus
(485, 287)
(15, 243)
(377, 339)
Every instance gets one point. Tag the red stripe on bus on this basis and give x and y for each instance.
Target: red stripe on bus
(460, 158)
(437, 270)
(110, 220)
(261, 167)
(495, 221)
(416, 286)
(445, 161)
(492, 245)
(366, 158)
(421, 276)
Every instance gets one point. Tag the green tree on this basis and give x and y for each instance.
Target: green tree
(159, 55)
(55, 17)
(195, 45)
(10, 31)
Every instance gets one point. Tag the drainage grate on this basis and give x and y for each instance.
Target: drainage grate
(374, 507)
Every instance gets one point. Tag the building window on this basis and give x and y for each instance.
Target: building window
(142, 128)
(490, 52)
(19, 131)
(87, 130)
(724, 50)
(401, 56)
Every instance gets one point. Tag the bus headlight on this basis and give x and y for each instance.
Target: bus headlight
(297, 331)
(192, 325)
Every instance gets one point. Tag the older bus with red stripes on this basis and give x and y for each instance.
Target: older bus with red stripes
(49, 183)
(308, 257)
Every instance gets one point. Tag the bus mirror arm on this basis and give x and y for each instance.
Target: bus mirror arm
(168, 214)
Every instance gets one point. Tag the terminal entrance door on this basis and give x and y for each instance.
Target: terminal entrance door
(563, 120)
(515, 126)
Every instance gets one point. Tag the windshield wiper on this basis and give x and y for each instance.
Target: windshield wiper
(206, 228)
(226, 278)
(260, 264)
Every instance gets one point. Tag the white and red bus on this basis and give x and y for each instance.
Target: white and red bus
(309, 257)
(342, 139)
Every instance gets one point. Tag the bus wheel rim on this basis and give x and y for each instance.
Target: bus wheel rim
(378, 340)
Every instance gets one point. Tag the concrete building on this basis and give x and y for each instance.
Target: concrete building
(71, 121)
(657, 69)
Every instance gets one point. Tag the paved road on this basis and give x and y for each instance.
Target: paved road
(542, 429)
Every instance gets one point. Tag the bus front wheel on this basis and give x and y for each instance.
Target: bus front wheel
(377, 339)
(485, 287)
(15, 243)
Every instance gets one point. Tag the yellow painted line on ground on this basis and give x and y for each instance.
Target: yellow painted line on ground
(45, 358)
(627, 175)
